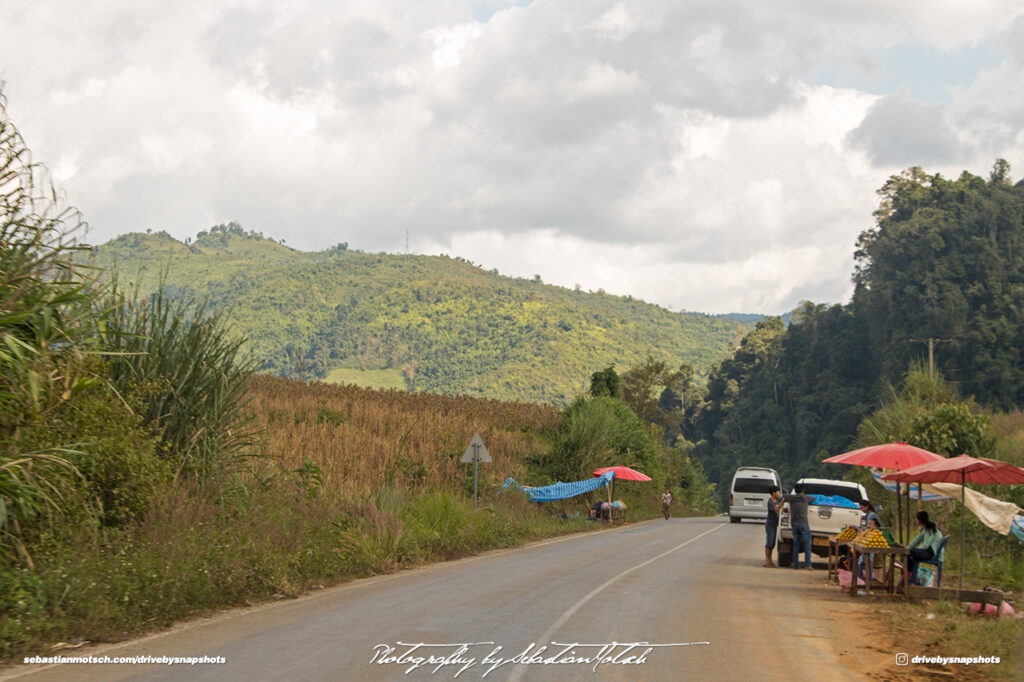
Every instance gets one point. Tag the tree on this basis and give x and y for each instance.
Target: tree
(927, 413)
(598, 432)
(605, 382)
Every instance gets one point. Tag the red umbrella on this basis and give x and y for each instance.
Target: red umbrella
(963, 469)
(896, 456)
(623, 473)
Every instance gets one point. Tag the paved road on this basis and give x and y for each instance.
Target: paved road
(696, 582)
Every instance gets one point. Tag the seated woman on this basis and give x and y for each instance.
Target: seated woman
(928, 538)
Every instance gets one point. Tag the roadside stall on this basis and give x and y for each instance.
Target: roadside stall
(562, 491)
(893, 457)
(963, 470)
(619, 473)
(893, 577)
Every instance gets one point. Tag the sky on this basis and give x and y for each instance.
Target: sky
(714, 156)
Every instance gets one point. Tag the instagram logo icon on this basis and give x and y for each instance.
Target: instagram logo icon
(902, 659)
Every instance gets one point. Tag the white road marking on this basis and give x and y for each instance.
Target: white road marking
(571, 611)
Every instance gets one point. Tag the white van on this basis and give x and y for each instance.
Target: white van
(748, 494)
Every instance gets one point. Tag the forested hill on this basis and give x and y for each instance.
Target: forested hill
(944, 264)
(426, 323)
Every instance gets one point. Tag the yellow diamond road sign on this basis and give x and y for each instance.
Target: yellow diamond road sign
(476, 450)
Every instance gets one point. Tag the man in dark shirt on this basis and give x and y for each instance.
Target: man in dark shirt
(798, 522)
(771, 524)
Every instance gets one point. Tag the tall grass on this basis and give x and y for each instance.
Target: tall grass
(192, 373)
(44, 335)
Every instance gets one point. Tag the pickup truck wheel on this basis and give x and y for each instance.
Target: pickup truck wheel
(734, 519)
(785, 554)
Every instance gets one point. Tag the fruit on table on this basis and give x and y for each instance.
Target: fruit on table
(847, 533)
(872, 538)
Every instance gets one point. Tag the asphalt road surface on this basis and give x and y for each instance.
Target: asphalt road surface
(693, 589)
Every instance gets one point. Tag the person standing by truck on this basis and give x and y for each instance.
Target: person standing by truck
(801, 529)
(771, 524)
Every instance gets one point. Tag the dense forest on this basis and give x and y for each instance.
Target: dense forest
(939, 283)
(425, 323)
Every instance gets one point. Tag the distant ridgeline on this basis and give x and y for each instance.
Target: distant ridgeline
(423, 323)
(943, 265)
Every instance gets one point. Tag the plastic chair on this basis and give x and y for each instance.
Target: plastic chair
(937, 560)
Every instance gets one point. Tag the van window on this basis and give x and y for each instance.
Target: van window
(753, 485)
(849, 492)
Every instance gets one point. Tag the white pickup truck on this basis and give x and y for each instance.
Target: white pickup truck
(823, 520)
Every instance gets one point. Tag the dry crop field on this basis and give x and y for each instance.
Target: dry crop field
(362, 439)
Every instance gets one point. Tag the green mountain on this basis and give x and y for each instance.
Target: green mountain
(423, 323)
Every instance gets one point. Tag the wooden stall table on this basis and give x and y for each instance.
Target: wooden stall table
(889, 555)
(834, 543)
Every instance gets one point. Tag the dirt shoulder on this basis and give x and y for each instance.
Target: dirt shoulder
(943, 629)
(799, 616)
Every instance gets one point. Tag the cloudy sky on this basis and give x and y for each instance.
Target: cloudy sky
(717, 156)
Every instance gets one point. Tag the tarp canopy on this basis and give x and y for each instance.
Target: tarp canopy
(995, 514)
(563, 491)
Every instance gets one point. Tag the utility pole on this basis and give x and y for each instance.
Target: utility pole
(931, 341)
(476, 465)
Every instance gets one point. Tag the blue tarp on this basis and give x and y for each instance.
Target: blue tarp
(562, 491)
(833, 501)
(1018, 527)
(891, 487)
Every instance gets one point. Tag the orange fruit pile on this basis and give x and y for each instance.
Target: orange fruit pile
(872, 538)
(847, 533)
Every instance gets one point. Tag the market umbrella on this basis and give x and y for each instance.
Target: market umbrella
(898, 456)
(963, 469)
(625, 473)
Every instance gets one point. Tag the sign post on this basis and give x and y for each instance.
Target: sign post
(476, 453)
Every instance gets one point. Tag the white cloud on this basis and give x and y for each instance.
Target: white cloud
(614, 25)
(679, 152)
(449, 42)
(601, 80)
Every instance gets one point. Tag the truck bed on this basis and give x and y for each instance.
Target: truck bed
(823, 520)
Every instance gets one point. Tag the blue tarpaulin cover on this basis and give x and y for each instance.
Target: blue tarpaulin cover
(562, 491)
(891, 487)
(833, 501)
